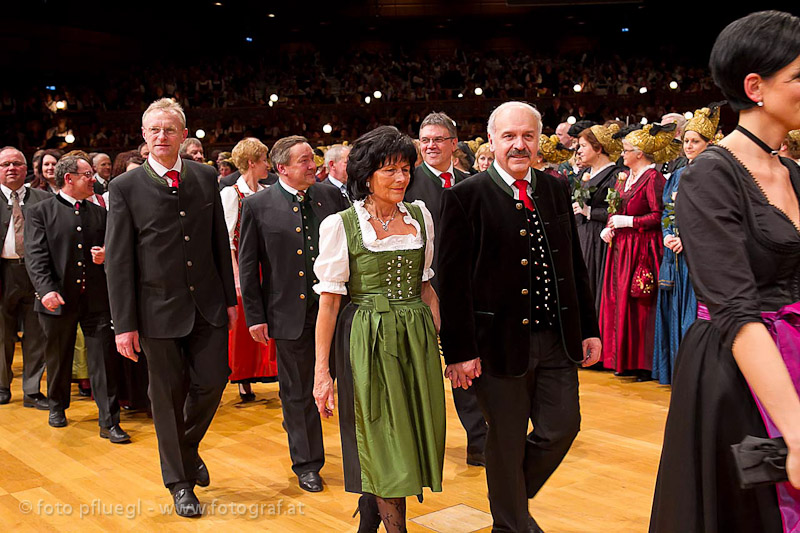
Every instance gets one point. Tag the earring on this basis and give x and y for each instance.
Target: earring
(760, 104)
(367, 184)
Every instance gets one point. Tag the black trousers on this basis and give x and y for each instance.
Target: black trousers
(300, 416)
(101, 355)
(517, 463)
(16, 305)
(471, 417)
(187, 377)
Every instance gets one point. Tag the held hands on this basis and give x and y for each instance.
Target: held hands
(52, 300)
(462, 374)
(586, 210)
(260, 333)
(323, 393)
(98, 254)
(128, 345)
(592, 350)
(607, 234)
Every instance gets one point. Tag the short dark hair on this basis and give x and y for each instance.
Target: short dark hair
(761, 43)
(66, 165)
(371, 151)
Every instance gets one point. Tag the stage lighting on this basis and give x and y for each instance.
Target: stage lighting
(200, 134)
(643, 90)
(271, 15)
(478, 91)
(248, 39)
(673, 85)
(367, 99)
(461, 95)
(61, 104)
(70, 138)
(270, 103)
(688, 115)
(571, 120)
(273, 97)
(644, 120)
(377, 94)
(577, 87)
(327, 128)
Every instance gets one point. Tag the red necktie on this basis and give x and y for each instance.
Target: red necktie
(522, 187)
(174, 175)
(446, 176)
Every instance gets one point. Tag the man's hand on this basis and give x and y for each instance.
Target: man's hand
(323, 394)
(52, 300)
(260, 333)
(98, 254)
(232, 314)
(462, 374)
(592, 350)
(128, 345)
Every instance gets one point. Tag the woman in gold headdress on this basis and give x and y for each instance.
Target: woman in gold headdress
(677, 305)
(598, 151)
(627, 309)
(551, 155)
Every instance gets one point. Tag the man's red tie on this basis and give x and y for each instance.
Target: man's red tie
(522, 187)
(174, 176)
(447, 177)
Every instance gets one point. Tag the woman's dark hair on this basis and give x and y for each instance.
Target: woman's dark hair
(373, 150)
(761, 43)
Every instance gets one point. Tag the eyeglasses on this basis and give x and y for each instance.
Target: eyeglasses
(169, 131)
(6, 164)
(87, 174)
(624, 151)
(435, 140)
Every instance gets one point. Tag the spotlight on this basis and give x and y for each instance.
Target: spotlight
(367, 99)
(271, 15)
(461, 95)
(571, 120)
(70, 138)
(270, 103)
(643, 90)
(327, 128)
(218, 3)
(577, 87)
(61, 104)
(688, 115)
(273, 97)
(478, 91)
(248, 39)
(644, 120)
(377, 94)
(200, 134)
(673, 85)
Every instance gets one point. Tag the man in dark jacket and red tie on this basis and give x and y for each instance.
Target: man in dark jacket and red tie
(517, 311)
(170, 281)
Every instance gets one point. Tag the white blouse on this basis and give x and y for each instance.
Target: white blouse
(332, 266)
(230, 204)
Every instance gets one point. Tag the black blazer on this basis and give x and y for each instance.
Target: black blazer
(327, 183)
(427, 186)
(167, 253)
(269, 265)
(99, 188)
(58, 243)
(231, 178)
(484, 268)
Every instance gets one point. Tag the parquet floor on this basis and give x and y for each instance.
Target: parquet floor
(72, 480)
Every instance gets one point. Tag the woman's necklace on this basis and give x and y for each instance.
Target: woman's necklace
(761, 144)
(384, 225)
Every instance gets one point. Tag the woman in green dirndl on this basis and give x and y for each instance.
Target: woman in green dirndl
(391, 397)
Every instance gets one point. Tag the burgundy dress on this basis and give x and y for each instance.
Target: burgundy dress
(627, 324)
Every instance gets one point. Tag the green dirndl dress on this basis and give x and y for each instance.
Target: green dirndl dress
(390, 385)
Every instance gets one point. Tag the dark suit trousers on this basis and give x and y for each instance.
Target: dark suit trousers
(517, 465)
(300, 416)
(471, 417)
(101, 355)
(16, 305)
(187, 378)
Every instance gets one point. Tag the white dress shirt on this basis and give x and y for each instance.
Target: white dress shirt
(438, 173)
(9, 248)
(230, 204)
(509, 179)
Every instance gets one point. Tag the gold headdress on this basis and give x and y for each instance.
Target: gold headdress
(605, 136)
(794, 135)
(669, 153)
(705, 121)
(553, 151)
(652, 137)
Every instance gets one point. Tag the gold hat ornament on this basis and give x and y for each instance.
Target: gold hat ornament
(605, 136)
(553, 151)
(669, 153)
(794, 135)
(705, 121)
(652, 137)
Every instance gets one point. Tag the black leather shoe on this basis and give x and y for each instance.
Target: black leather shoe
(247, 396)
(476, 459)
(38, 400)
(310, 481)
(57, 419)
(186, 503)
(533, 527)
(370, 519)
(5, 396)
(202, 477)
(115, 434)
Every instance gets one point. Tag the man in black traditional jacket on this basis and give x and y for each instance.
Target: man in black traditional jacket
(517, 311)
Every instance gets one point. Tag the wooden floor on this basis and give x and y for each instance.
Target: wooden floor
(72, 480)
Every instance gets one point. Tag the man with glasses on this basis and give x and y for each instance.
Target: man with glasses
(16, 291)
(170, 280)
(64, 251)
(438, 141)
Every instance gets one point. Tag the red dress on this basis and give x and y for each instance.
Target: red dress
(627, 324)
(250, 361)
